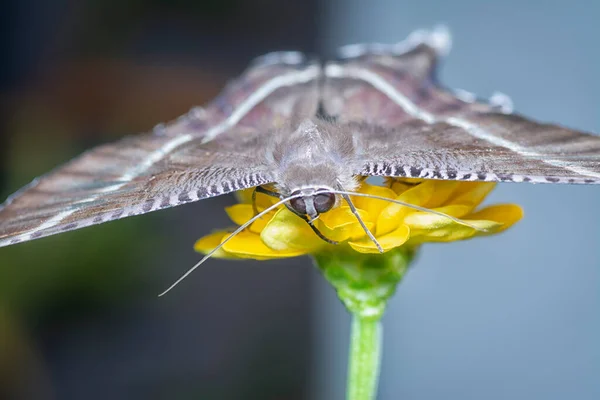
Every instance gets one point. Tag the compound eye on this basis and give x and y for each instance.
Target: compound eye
(324, 202)
(298, 204)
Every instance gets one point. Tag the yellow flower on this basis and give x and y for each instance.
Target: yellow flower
(281, 233)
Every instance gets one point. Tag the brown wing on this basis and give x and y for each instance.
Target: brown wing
(410, 126)
(208, 152)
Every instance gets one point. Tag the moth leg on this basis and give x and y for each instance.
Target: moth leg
(362, 223)
(314, 228)
(268, 192)
(254, 209)
(260, 189)
(389, 181)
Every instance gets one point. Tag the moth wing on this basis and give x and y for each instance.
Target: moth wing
(410, 126)
(208, 152)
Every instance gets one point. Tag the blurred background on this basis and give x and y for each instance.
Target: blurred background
(513, 317)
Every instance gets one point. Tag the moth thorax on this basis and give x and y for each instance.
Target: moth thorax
(313, 202)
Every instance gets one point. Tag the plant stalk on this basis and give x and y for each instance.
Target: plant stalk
(364, 358)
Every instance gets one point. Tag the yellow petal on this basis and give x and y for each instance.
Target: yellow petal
(241, 213)
(288, 232)
(339, 216)
(443, 190)
(505, 214)
(392, 215)
(446, 234)
(472, 193)
(249, 245)
(373, 206)
(398, 186)
(244, 195)
(425, 220)
(207, 243)
(281, 233)
(455, 231)
(340, 224)
(490, 220)
(262, 200)
(389, 241)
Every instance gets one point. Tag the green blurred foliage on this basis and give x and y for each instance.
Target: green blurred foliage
(73, 272)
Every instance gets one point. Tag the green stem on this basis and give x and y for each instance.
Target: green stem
(364, 358)
(364, 283)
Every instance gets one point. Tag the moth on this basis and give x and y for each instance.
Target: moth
(311, 130)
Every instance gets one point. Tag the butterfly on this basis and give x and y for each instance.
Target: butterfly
(310, 130)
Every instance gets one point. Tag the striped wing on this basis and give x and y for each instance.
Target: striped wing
(208, 152)
(411, 127)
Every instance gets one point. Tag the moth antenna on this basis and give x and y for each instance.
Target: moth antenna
(227, 239)
(360, 221)
(413, 206)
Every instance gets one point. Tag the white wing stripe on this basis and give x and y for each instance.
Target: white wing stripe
(151, 159)
(259, 95)
(130, 174)
(336, 71)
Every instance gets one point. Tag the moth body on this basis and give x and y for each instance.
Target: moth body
(315, 156)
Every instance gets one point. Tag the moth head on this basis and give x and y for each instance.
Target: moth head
(312, 202)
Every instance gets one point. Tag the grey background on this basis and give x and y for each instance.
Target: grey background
(510, 317)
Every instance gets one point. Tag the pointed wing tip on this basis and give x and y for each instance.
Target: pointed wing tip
(280, 57)
(8, 242)
(19, 238)
(439, 39)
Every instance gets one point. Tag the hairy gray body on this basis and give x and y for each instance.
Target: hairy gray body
(316, 154)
